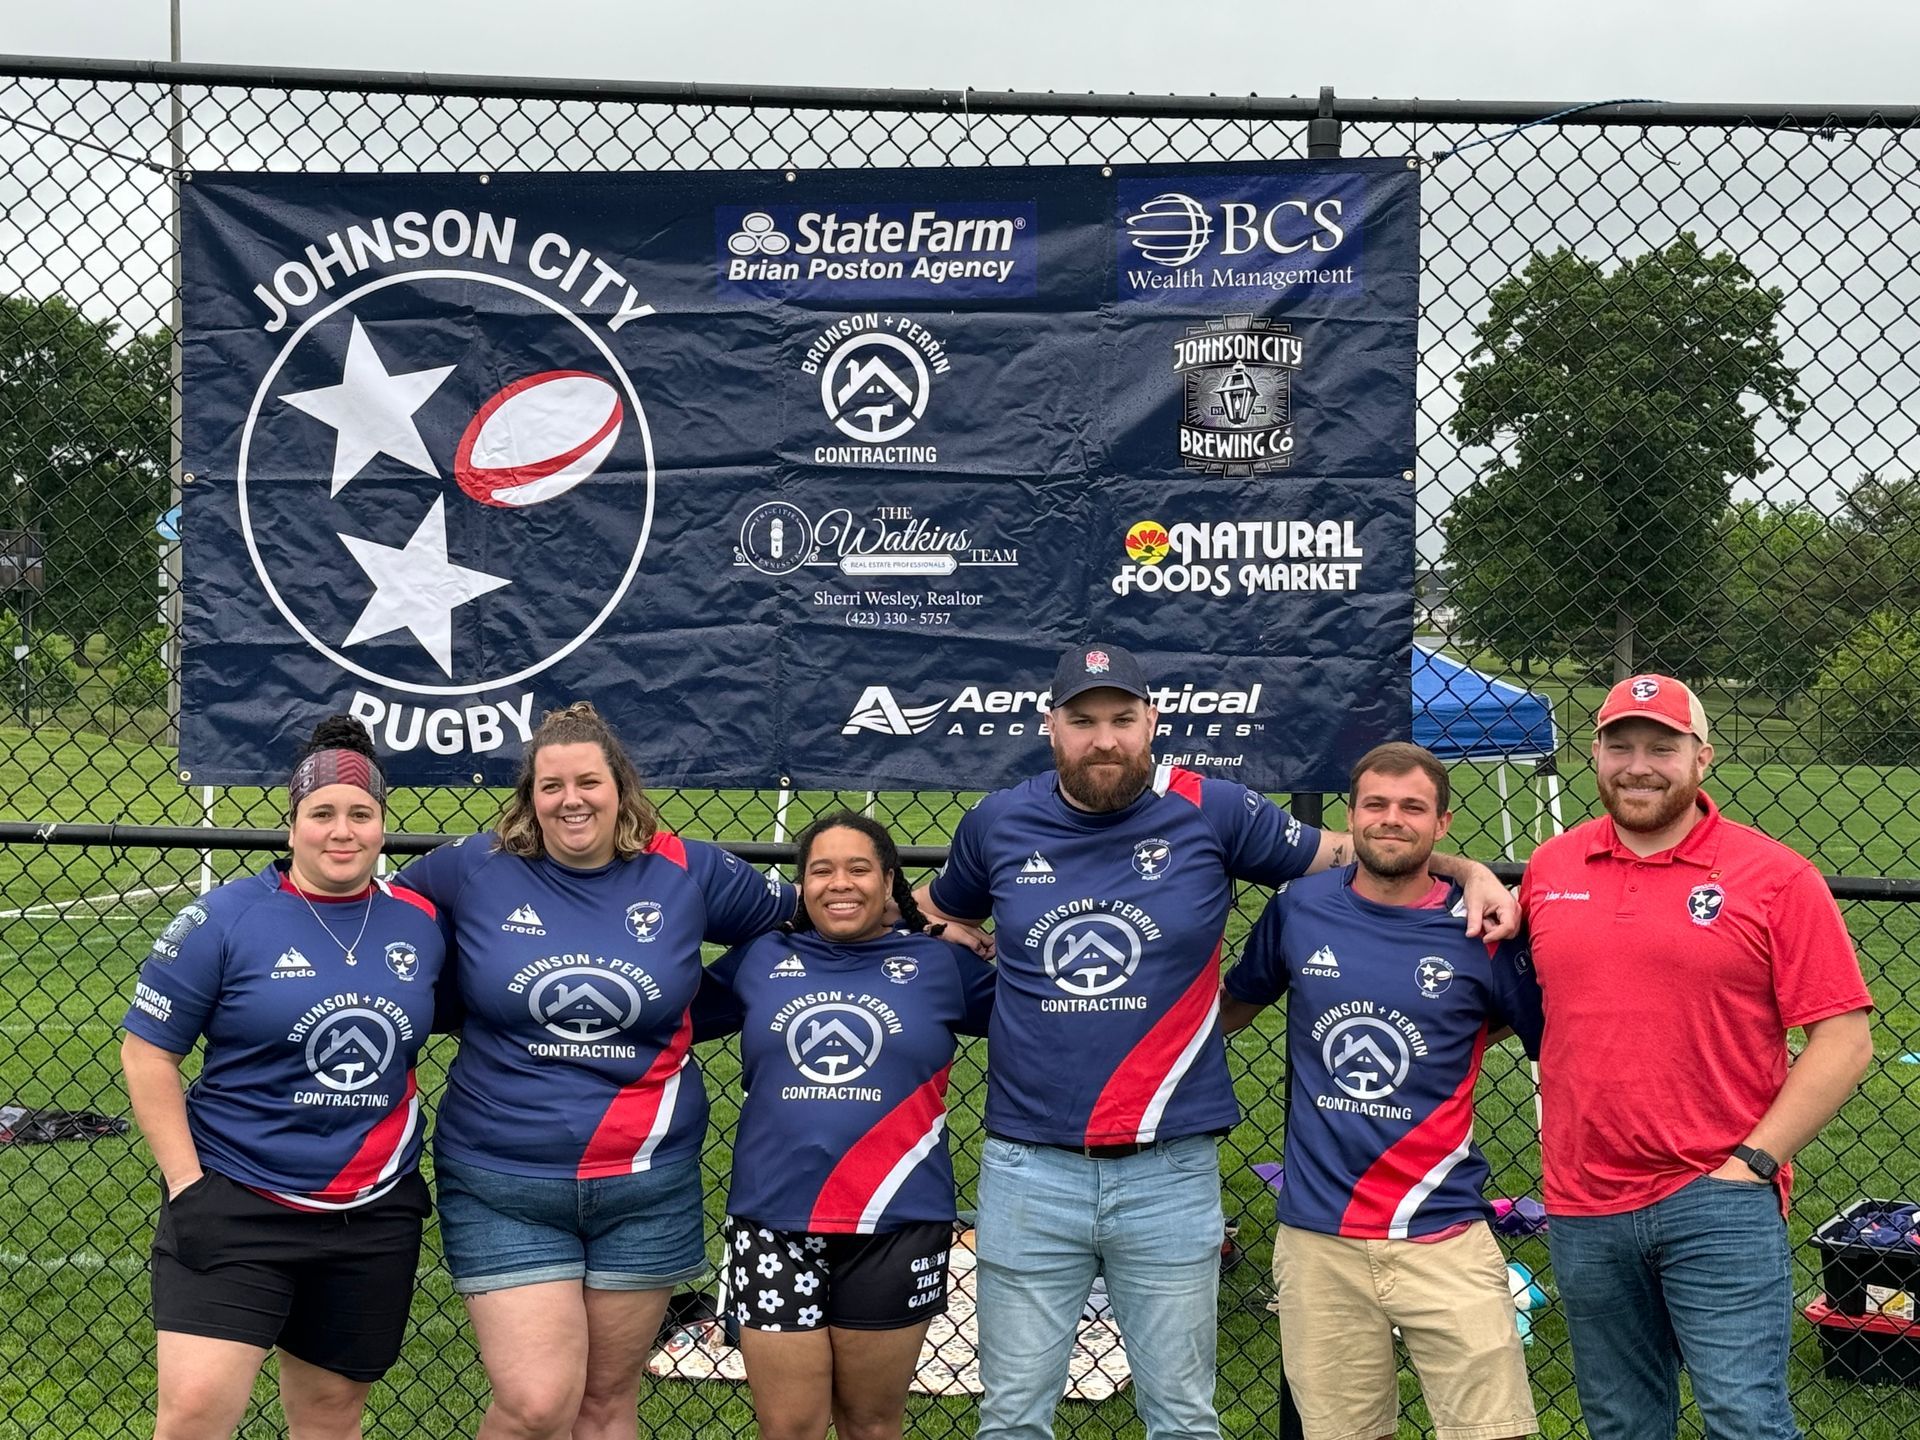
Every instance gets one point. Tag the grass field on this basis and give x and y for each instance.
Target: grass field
(75, 1342)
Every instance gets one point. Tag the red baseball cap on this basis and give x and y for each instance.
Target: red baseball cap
(1659, 698)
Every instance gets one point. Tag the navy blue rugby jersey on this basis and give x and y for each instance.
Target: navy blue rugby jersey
(1388, 1012)
(307, 1090)
(575, 1053)
(1106, 1024)
(845, 1052)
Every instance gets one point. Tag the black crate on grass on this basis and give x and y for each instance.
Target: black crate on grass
(1866, 1349)
(1862, 1278)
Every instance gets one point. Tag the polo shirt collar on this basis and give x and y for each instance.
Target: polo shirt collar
(1700, 847)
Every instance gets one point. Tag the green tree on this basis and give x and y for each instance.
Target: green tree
(1778, 614)
(1621, 404)
(83, 460)
(1867, 696)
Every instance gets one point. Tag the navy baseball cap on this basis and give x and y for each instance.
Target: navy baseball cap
(1097, 667)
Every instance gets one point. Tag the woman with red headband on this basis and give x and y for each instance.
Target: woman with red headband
(291, 1199)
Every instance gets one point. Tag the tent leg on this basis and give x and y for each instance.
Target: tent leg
(1506, 815)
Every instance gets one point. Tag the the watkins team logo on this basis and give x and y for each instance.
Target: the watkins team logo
(834, 1043)
(1151, 859)
(403, 960)
(1322, 962)
(876, 375)
(351, 1049)
(643, 920)
(191, 917)
(1704, 903)
(1035, 870)
(1366, 1057)
(792, 967)
(778, 537)
(291, 965)
(1433, 974)
(899, 968)
(584, 1004)
(867, 251)
(397, 445)
(1236, 394)
(525, 920)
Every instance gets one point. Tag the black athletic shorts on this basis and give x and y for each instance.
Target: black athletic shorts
(797, 1280)
(332, 1289)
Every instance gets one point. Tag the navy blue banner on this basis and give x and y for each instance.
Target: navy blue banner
(803, 480)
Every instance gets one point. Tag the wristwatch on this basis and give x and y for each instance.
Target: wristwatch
(1758, 1161)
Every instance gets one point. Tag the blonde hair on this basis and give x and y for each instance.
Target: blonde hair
(578, 724)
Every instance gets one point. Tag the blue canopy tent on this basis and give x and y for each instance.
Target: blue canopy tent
(1461, 714)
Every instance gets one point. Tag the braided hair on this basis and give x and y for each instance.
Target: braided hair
(884, 849)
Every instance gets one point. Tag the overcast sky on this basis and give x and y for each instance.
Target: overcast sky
(1703, 50)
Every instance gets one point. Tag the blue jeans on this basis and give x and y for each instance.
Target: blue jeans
(1050, 1220)
(1701, 1278)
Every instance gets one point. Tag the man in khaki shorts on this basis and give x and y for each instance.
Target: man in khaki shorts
(1382, 1220)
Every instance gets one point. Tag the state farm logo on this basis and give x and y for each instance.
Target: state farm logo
(1236, 391)
(948, 248)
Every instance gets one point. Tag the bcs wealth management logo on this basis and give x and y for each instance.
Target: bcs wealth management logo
(1239, 237)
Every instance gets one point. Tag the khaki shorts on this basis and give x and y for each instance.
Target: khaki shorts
(1339, 1300)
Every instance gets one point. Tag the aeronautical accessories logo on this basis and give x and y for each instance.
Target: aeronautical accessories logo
(1236, 395)
(940, 250)
(876, 375)
(989, 710)
(350, 1042)
(415, 444)
(1368, 1052)
(1090, 949)
(1223, 558)
(584, 1003)
(1251, 238)
(834, 1038)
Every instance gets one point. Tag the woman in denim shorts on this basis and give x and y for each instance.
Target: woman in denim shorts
(567, 1152)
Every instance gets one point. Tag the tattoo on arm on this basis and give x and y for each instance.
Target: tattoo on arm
(1339, 856)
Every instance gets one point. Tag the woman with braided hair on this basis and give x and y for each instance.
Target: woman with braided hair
(841, 1210)
(291, 1195)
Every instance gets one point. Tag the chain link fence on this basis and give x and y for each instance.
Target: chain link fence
(1667, 420)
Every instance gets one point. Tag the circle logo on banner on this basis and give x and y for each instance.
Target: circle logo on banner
(874, 387)
(776, 538)
(581, 1003)
(1148, 542)
(538, 438)
(834, 1043)
(445, 482)
(1366, 1057)
(351, 1049)
(758, 235)
(1092, 954)
(1170, 229)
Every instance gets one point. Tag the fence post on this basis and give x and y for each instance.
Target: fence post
(1323, 131)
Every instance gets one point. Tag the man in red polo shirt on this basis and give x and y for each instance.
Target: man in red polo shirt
(1675, 949)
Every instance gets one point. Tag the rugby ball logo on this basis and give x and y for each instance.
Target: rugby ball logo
(538, 438)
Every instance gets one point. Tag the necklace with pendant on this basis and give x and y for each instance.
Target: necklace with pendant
(345, 949)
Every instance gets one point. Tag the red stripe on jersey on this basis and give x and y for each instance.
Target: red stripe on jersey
(870, 1160)
(374, 1158)
(415, 899)
(625, 1133)
(1185, 784)
(1411, 1160)
(665, 842)
(1123, 1104)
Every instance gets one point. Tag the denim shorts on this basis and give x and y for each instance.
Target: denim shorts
(622, 1232)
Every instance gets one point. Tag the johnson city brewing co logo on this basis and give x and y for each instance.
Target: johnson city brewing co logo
(1236, 395)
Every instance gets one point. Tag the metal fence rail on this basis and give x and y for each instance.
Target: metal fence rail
(1667, 420)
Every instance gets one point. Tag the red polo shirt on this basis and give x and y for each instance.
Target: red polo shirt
(1670, 982)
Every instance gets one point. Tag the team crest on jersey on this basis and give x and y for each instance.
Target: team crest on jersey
(1704, 903)
(1433, 975)
(643, 921)
(167, 948)
(1151, 859)
(899, 968)
(835, 1043)
(351, 1049)
(403, 960)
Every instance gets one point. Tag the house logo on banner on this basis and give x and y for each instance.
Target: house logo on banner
(876, 376)
(413, 449)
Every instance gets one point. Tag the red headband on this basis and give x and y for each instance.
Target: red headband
(335, 767)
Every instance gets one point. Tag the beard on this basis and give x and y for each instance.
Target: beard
(1391, 864)
(1646, 814)
(1107, 789)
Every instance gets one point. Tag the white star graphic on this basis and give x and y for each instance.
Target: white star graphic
(372, 411)
(417, 588)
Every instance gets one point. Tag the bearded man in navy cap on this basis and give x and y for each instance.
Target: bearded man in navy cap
(1110, 880)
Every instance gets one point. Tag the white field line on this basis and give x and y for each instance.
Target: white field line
(21, 1028)
(79, 1260)
(53, 909)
